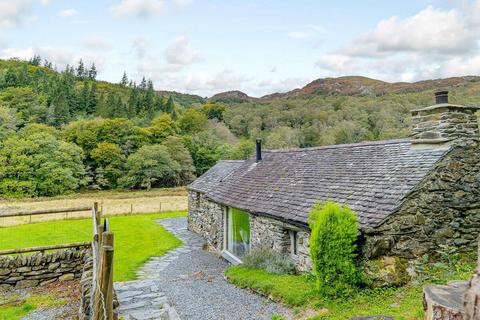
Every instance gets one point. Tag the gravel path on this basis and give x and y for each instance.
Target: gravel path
(189, 284)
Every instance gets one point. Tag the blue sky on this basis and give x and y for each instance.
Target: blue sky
(259, 47)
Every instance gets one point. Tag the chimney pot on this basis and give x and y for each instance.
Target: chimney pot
(259, 149)
(441, 97)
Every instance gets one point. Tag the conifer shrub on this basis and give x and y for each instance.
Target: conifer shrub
(332, 248)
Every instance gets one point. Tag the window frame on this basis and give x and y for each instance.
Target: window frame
(293, 242)
(229, 256)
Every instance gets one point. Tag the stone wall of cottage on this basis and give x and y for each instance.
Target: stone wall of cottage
(443, 209)
(31, 270)
(274, 234)
(206, 218)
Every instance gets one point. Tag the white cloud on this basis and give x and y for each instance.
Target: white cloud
(430, 30)
(59, 57)
(97, 43)
(335, 62)
(139, 8)
(13, 12)
(67, 13)
(180, 52)
(430, 44)
(182, 3)
(140, 46)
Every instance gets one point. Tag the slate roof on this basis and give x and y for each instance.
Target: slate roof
(371, 178)
(210, 179)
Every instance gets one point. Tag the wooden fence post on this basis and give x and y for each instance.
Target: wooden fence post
(98, 214)
(103, 299)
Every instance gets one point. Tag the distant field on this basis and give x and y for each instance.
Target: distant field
(112, 203)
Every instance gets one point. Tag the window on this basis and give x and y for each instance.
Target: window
(238, 232)
(293, 242)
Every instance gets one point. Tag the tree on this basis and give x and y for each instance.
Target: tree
(92, 73)
(243, 150)
(35, 61)
(40, 165)
(8, 122)
(206, 149)
(59, 111)
(109, 160)
(332, 248)
(124, 80)
(180, 154)
(83, 98)
(80, 69)
(28, 105)
(214, 111)
(92, 99)
(149, 166)
(170, 106)
(192, 121)
(161, 127)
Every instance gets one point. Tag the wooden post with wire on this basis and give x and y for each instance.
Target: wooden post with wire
(103, 297)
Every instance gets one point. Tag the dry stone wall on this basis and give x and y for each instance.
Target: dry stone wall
(443, 209)
(31, 270)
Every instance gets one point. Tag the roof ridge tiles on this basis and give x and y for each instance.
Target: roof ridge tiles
(347, 145)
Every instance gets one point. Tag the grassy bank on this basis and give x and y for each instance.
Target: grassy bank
(137, 238)
(298, 292)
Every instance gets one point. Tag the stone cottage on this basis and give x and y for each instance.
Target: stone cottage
(410, 194)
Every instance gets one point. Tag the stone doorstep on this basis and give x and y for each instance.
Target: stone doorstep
(447, 299)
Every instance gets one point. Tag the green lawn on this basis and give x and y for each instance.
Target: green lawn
(20, 308)
(298, 291)
(137, 237)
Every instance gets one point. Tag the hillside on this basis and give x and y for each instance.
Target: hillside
(234, 96)
(356, 85)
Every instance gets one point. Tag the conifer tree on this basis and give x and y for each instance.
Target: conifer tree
(92, 73)
(35, 61)
(83, 99)
(124, 80)
(92, 98)
(80, 69)
(170, 105)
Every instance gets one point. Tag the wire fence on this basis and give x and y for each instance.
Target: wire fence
(18, 233)
(112, 206)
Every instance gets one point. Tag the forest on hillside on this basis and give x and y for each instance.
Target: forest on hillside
(62, 131)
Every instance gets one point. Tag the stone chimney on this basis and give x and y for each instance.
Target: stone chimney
(444, 122)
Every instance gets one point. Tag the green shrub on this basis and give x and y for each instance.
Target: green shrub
(270, 261)
(332, 248)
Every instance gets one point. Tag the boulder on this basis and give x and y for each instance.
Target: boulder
(387, 272)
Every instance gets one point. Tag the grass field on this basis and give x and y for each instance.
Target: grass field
(298, 292)
(137, 237)
(112, 202)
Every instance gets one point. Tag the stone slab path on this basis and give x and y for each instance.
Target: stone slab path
(188, 283)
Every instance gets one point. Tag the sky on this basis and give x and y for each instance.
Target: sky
(259, 47)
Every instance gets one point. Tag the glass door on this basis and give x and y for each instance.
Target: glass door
(238, 234)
